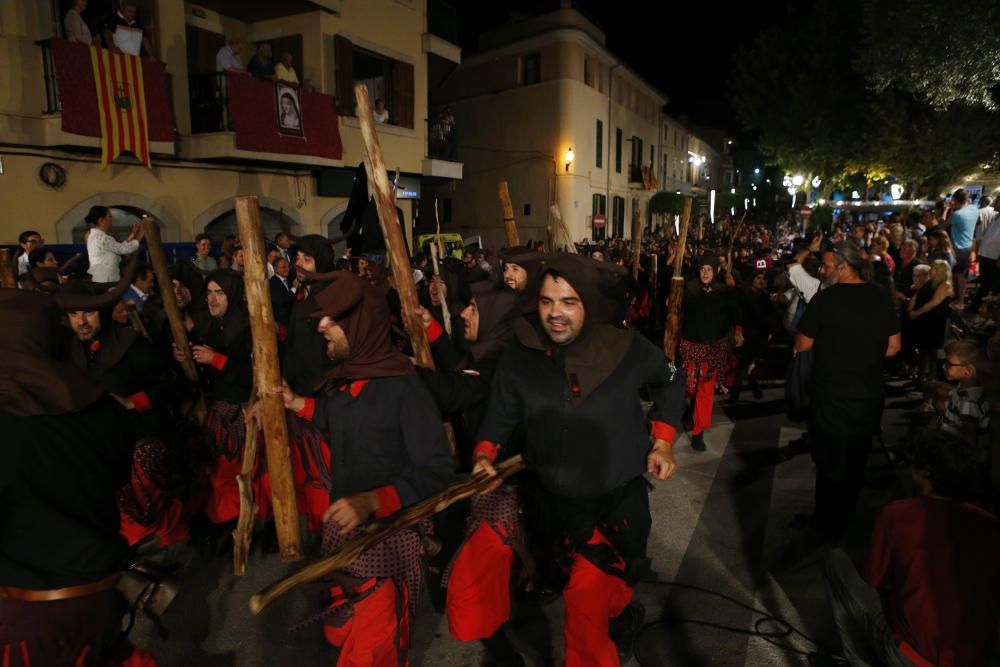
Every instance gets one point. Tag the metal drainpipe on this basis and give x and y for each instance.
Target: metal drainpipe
(607, 195)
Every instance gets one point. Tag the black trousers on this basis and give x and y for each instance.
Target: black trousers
(989, 281)
(840, 438)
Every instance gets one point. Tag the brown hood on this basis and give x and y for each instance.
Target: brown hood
(363, 313)
(32, 382)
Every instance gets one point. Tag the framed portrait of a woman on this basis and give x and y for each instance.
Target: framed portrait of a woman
(289, 110)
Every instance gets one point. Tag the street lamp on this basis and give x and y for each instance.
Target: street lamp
(817, 181)
(798, 180)
(570, 156)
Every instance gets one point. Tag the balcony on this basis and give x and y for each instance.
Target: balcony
(236, 115)
(442, 151)
(441, 37)
(71, 113)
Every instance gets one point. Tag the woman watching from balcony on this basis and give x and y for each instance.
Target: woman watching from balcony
(76, 28)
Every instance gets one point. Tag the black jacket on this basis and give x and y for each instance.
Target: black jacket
(708, 316)
(304, 360)
(59, 516)
(384, 432)
(595, 447)
(234, 380)
(282, 299)
(135, 372)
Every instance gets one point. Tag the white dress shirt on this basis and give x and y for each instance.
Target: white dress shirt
(103, 251)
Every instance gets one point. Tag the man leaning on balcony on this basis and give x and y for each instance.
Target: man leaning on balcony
(122, 33)
(228, 57)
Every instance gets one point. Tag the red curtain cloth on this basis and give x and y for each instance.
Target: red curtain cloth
(253, 110)
(80, 113)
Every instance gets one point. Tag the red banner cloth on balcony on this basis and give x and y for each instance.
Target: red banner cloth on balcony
(253, 110)
(81, 113)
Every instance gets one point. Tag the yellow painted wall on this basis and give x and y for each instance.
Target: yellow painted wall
(179, 196)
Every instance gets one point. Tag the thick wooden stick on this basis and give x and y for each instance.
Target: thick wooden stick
(732, 241)
(8, 277)
(381, 530)
(136, 321)
(559, 230)
(248, 508)
(437, 248)
(267, 374)
(671, 336)
(174, 316)
(509, 224)
(378, 179)
(636, 242)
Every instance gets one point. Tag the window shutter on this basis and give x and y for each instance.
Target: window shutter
(343, 61)
(404, 93)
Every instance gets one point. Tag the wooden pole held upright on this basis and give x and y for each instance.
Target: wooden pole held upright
(636, 241)
(267, 374)
(170, 307)
(509, 224)
(378, 179)
(7, 276)
(671, 336)
(437, 249)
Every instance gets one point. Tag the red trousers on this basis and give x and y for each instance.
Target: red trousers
(377, 634)
(704, 397)
(479, 599)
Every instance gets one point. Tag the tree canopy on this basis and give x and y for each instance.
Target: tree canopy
(809, 86)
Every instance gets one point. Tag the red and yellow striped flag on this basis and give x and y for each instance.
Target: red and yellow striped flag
(122, 104)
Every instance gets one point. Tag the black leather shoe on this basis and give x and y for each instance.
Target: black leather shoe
(698, 442)
(624, 628)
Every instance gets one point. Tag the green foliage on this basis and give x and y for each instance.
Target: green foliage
(942, 51)
(807, 86)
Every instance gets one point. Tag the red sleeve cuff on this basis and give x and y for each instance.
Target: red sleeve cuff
(141, 402)
(219, 360)
(308, 410)
(282, 333)
(434, 331)
(488, 448)
(664, 431)
(388, 501)
(739, 329)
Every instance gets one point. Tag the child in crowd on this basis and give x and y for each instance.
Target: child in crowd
(967, 412)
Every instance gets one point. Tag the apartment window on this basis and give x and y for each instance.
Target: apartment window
(386, 79)
(635, 164)
(652, 156)
(531, 69)
(600, 144)
(618, 150)
(664, 172)
(588, 73)
(599, 207)
(527, 210)
(618, 216)
(446, 210)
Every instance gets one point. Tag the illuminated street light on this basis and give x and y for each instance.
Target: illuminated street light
(570, 156)
(798, 180)
(816, 182)
(897, 190)
(756, 171)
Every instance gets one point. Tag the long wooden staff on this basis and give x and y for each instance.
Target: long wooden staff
(559, 229)
(732, 241)
(509, 224)
(670, 336)
(267, 374)
(174, 316)
(378, 181)
(382, 530)
(8, 278)
(248, 508)
(636, 242)
(437, 248)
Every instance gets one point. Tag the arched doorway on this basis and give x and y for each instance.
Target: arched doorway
(271, 223)
(126, 209)
(123, 216)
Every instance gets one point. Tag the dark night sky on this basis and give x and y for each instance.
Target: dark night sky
(685, 50)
